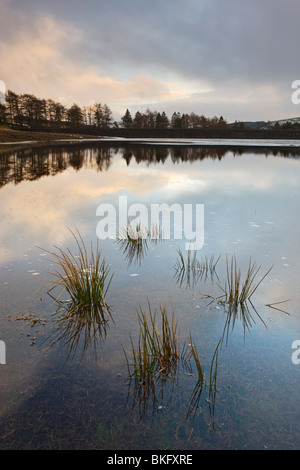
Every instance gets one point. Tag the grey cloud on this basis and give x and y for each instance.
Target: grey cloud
(255, 40)
(212, 40)
(232, 45)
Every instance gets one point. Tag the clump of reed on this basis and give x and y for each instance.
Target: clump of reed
(134, 243)
(134, 240)
(158, 349)
(156, 357)
(134, 233)
(137, 233)
(83, 276)
(189, 268)
(236, 291)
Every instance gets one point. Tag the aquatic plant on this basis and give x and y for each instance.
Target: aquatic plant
(189, 268)
(157, 351)
(137, 233)
(193, 352)
(84, 276)
(134, 233)
(192, 262)
(134, 240)
(202, 382)
(237, 292)
(134, 247)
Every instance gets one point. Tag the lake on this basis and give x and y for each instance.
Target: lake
(63, 387)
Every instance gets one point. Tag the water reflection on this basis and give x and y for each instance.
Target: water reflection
(194, 400)
(241, 314)
(133, 252)
(245, 314)
(250, 205)
(189, 270)
(31, 163)
(78, 332)
(148, 396)
(145, 395)
(134, 241)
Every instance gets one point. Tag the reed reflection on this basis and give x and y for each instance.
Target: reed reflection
(148, 395)
(157, 361)
(79, 332)
(189, 269)
(147, 380)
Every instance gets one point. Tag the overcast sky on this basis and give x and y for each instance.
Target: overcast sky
(235, 58)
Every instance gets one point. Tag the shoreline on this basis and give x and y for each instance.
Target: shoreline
(267, 143)
(200, 137)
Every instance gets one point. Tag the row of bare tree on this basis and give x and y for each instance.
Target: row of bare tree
(26, 109)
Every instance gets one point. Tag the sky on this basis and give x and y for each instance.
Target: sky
(234, 58)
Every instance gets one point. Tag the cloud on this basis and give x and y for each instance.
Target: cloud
(43, 57)
(240, 56)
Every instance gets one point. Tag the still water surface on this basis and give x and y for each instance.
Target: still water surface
(52, 400)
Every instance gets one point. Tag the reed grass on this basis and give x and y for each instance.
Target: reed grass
(134, 234)
(137, 233)
(236, 291)
(134, 241)
(83, 276)
(158, 349)
(190, 269)
(202, 383)
(193, 353)
(190, 262)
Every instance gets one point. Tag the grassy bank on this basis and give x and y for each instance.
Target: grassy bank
(12, 135)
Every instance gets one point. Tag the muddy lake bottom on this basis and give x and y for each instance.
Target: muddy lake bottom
(62, 390)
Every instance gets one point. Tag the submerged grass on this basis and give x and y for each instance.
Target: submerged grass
(156, 358)
(211, 384)
(84, 276)
(193, 352)
(158, 350)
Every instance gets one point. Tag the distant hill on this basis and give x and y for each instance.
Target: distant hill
(264, 124)
(294, 120)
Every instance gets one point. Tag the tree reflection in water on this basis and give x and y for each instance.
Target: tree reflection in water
(19, 163)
